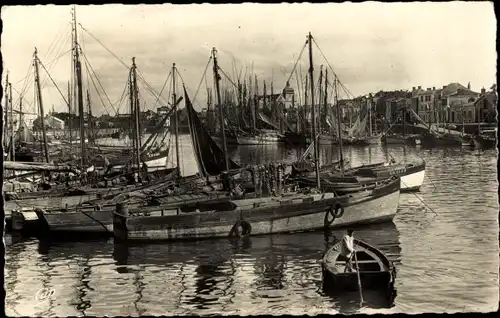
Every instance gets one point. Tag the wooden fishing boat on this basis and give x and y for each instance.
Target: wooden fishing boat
(327, 140)
(90, 220)
(436, 140)
(411, 174)
(57, 199)
(369, 140)
(290, 212)
(467, 141)
(485, 140)
(362, 177)
(263, 137)
(398, 139)
(376, 271)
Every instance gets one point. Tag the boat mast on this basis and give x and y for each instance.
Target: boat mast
(341, 151)
(320, 122)
(463, 122)
(404, 118)
(70, 117)
(255, 105)
(135, 112)
(78, 73)
(176, 119)
(90, 123)
(306, 115)
(12, 148)
(369, 103)
(314, 136)
(40, 104)
(221, 111)
(326, 102)
(6, 121)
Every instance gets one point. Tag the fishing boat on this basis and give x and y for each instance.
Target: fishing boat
(376, 271)
(290, 212)
(262, 137)
(398, 139)
(486, 139)
(467, 141)
(411, 173)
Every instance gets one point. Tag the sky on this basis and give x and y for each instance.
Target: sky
(371, 47)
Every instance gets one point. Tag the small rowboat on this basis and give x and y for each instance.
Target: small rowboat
(375, 269)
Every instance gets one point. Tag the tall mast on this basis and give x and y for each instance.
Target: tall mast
(12, 153)
(251, 104)
(369, 102)
(320, 122)
(132, 111)
(6, 121)
(314, 136)
(463, 123)
(40, 104)
(341, 151)
(255, 108)
(404, 118)
(326, 101)
(21, 123)
(264, 105)
(79, 92)
(305, 106)
(221, 111)
(70, 117)
(176, 119)
(135, 107)
(90, 123)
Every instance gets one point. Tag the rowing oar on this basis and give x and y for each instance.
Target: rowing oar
(359, 278)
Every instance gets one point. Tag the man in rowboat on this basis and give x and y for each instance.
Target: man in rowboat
(347, 250)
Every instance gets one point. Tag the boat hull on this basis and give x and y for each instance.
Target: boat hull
(485, 143)
(259, 140)
(309, 213)
(326, 140)
(398, 140)
(375, 271)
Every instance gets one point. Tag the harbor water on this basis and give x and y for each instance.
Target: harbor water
(443, 241)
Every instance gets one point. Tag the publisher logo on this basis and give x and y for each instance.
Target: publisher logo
(44, 294)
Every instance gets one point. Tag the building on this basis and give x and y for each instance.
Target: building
(485, 106)
(458, 103)
(425, 103)
(54, 122)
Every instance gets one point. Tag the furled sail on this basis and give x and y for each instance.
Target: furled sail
(209, 157)
(266, 120)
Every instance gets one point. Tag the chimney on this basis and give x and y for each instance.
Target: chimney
(428, 88)
(433, 88)
(413, 88)
(420, 87)
(444, 86)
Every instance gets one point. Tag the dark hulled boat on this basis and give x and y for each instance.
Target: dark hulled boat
(486, 139)
(376, 271)
(291, 212)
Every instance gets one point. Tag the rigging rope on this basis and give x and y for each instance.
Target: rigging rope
(105, 47)
(163, 87)
(99, 82)
(331, 68)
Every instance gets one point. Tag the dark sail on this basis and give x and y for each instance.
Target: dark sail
(209, 157)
